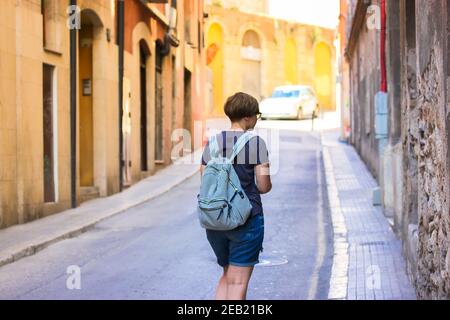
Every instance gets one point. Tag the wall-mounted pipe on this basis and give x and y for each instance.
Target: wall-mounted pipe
(170, 38)
(121, 43)
(73, 113)
(383, 47)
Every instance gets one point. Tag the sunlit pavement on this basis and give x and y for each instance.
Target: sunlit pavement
(325, 121)
(157, 250)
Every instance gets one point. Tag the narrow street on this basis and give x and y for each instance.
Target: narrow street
(157, 250)
(107, 105)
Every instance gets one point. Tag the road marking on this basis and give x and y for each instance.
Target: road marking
(339, 271)
(321, 242)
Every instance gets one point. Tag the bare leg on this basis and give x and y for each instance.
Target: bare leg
(237, 279)
(221, 292)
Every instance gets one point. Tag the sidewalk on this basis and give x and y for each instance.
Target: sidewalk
(368, 263)
(24, 240)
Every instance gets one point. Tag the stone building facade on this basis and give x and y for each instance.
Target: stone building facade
(163, 89)
(411, 159)
(250, 51)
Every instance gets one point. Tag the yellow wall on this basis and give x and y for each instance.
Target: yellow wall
(323, 74)
(290, 62)
(288, 54)
(215, 36)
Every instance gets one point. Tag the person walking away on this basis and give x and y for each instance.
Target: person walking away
(238, 250)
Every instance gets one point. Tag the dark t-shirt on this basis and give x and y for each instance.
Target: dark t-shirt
(254, 153)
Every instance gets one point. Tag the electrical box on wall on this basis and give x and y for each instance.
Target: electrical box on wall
(381, 115)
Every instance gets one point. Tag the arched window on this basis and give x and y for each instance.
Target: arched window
(251, 55)
(251, 39)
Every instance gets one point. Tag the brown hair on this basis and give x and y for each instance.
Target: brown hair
(241, 105)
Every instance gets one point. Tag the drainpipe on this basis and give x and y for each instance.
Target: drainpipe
(383, 46)
(381, 98)
(382, 113)
(170, 38)
(73, 113)
(120, 42)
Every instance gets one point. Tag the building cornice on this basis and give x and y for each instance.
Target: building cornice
(356, 26)
(161, 17)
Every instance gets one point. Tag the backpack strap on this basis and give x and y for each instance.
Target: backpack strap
(213, 147)
(240, 143)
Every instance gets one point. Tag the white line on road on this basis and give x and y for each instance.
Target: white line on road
(339, 271)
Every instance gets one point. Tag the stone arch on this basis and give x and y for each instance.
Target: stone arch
(215, 20)
(90, 17)
(141, 32)
(251, 39)
(258, 67)
(250, 27)
(251, 57)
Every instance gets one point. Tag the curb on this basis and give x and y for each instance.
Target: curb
(339, 270)
(14, 254)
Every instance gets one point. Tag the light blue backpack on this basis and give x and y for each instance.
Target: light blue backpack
(222, 203)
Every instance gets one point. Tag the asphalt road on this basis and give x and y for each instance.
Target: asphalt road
(158, 250)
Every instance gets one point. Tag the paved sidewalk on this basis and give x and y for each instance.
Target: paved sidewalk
(23, 240)
(368, 262)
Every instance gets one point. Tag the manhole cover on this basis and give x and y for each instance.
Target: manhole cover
(270, 261)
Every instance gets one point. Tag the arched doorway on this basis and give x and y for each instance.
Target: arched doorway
(251, 64)
(158, 104)
(215, 58)
(323, 74)
(144, 59)
(290, 62)
(91, 26)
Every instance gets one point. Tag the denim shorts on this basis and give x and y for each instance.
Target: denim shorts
(241, 246)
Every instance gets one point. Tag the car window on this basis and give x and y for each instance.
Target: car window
(286, 93)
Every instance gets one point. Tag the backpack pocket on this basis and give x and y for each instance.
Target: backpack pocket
(213, 213)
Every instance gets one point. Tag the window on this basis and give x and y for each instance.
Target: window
(291, 93)
(143, 82)
(49, 130)
(158, 106)
(174, 93)
(286, 94)
(188, 22)
(51, 19)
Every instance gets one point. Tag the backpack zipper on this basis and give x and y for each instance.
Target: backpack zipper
(215, 208)
(214, 200)
(221, 211)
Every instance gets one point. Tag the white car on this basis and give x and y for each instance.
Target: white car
(290, 102)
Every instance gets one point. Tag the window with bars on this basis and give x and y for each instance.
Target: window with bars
(49, 118)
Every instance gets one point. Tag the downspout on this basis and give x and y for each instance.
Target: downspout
(383, 47)
(73, 113)
(120, 42)
(170, 38)
(382, 114)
